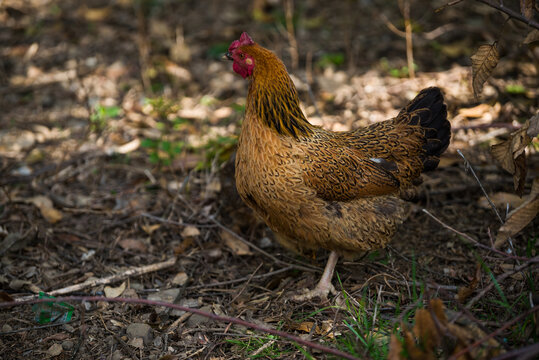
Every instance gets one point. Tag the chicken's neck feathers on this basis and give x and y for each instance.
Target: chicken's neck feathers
(274, 100)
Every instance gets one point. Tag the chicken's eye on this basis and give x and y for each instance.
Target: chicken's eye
(242, 55)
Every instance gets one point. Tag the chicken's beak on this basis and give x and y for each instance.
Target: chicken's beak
(227, 56)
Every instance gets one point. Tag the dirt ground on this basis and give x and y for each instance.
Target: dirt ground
(117, 130)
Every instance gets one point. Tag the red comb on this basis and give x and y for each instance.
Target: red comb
(245, 39)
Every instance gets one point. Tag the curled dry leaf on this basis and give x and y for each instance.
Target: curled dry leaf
(484, 61)
(114, 292)
(46, 208)
(520, 217)
(133, 244)
(511, 153)
(54, 350)
(238, 247)
(190, 231)
(149, 229)
(532, 39)
(465, 291)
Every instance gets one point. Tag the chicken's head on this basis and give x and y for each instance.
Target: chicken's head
(244, 63)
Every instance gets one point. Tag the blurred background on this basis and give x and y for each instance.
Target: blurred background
(118, 126)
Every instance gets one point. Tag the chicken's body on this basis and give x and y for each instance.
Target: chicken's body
(320, 189)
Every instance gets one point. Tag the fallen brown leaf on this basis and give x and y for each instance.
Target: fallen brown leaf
(465, 291)
(190, 231)
(114, 292)
(238, 247)
(520, 217)
(46, 208)
(133, 244)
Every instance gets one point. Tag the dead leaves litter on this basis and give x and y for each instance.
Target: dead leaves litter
(433, 333)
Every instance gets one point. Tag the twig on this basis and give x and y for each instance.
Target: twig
(527, 352)
(409, 45)
(110, 279)
(512, 13)
(245, 278)
(172, 222)
(491, 335)
(262, 348)
(289, 14)
(245, 285)
(224, 319)
(500, 278)
(472, 240)
(469, 166)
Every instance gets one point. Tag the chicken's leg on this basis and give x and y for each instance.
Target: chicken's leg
(324, 286)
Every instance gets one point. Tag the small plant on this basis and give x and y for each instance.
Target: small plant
(166, 147)
(331, 59)
(219, 149)
(98, 120)
(161, 151)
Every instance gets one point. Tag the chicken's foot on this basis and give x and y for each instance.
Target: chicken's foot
(324, 286)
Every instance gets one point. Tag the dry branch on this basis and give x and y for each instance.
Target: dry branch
(110, 279)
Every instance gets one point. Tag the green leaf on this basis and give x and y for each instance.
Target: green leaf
(148, 143)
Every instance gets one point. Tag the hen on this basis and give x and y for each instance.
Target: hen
(339, 191)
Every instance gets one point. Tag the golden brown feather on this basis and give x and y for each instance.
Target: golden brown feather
(320, 189)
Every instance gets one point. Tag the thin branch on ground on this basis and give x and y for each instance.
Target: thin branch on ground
(109, 279)
(224, 319)
(245, 278)
(472, 240)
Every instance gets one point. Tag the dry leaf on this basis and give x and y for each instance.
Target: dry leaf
(149, 229)
(180, 278)
(465, 291)
(184, 245)
(476, 111)
(190, 231)
(511, 153)
(432, 334)
(484, 61)
(533, 127)
(425, 330)
(133, 244)
(136, 343)
(305, 326)
(532, 37)
(395, 348)
(114, 292)
(238, 247)
(324, 329)
(526, 8)
(54, 350)
(520, 217)
(46, 208)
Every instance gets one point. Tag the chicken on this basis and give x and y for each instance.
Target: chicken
(318, 189)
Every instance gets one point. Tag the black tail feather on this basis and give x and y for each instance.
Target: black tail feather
(430, 112)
